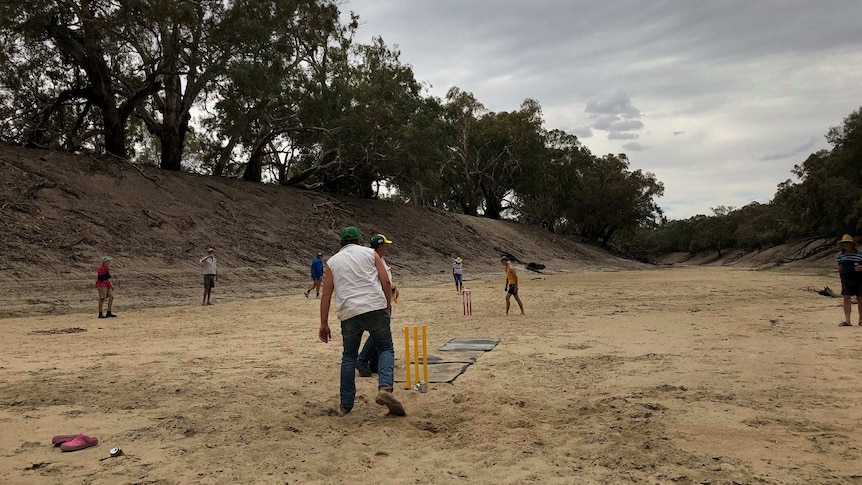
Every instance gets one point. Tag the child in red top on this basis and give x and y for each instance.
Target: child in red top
(105, 287)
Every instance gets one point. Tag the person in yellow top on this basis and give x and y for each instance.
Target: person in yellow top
(511, 284)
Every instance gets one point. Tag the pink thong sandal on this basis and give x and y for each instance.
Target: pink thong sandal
(79, 443)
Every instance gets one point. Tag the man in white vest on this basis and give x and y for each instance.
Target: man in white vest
(357, 277)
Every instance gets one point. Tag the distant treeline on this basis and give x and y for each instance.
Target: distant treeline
(279, 91)
(824, 201)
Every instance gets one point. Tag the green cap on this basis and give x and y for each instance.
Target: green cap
(349, 233)
(378, 239)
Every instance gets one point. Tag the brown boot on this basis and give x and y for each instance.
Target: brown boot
(385, 398)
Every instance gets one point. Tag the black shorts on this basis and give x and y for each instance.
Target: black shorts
(209, 281)
(850, 286)
(513, 290)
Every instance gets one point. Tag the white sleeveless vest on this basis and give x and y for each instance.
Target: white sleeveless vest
(357, 285)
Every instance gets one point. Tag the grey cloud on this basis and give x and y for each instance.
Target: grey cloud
(626, 125)
(622, 136)
(677, 133)
(635, 146)
(789, 153)
(618, 104)
(582, 132)
(616, 115)
(604, 122)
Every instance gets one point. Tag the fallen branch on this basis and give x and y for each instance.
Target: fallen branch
(140, 170)
(826, 291)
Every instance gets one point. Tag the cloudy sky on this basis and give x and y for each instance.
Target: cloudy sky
(718, 98)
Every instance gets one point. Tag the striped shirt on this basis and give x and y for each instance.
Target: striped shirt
(847, 261)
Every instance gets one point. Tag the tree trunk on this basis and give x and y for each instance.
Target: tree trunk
(469, 209)
(175, 121)
(172, 149)
(493, 209)
(115, 131)
(254, 167)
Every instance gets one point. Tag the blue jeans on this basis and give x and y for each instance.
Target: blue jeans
(376, 323)
(368, 352)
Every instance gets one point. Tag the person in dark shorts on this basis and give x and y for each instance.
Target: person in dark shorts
(210, 269)
(511, 284)
(316, 275)
(849, 267)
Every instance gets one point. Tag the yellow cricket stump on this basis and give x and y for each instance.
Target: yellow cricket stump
(425, 354)
(416, 350)
(407, 357)
(415, 356)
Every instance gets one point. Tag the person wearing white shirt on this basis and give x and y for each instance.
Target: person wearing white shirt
(357, 277)
(210, 269)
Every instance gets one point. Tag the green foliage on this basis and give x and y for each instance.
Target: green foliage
(286, 95)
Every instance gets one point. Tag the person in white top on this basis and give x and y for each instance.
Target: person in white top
(368, 357)
(210, 269)
(357, 277)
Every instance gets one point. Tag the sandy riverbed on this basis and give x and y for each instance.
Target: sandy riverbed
(688, 375)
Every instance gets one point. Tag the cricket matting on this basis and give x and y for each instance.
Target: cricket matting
(477, 344)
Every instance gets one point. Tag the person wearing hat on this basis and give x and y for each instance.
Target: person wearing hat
(210, 269)
(849, 266)
(458, 274)
(367, 362)
(105, 287)
(357, 277)
(316, 275)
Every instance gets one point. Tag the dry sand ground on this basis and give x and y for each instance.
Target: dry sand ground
(688, 375)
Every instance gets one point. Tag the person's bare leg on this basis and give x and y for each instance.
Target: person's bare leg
(204, 302)
(209, 295)
(521, 305)
(859, 305)
(110, 302)
(508, 297)
(101, 304)
(848, 305)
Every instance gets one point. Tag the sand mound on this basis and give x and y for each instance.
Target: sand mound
(60, 213)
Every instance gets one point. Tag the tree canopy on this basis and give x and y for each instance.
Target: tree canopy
(279, 91)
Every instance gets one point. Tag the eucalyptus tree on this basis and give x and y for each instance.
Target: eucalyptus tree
(610, 197)
(38, 107)
(462, 168)
(827, 198)
(275, 46)
(488, 152)
(360, 111)
(548, 185)
(378, 104)
(418, 179)
(90, 40)
(509, 143)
